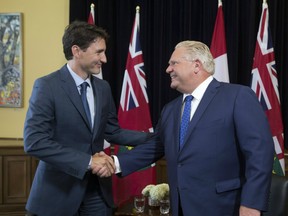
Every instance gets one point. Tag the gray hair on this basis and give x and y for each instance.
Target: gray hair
(198, 50)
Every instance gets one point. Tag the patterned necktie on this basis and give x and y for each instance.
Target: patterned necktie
(185, 119)
(83, 92)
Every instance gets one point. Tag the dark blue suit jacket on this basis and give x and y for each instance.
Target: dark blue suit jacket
(57, 132)
(227, 157)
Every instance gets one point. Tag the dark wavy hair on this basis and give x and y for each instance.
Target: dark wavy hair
(81, 34)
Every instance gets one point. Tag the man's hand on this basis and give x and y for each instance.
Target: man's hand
(245, 211)
(102, 165)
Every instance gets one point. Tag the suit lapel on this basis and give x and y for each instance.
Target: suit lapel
(207, 97)
(69, 86)
(98, 97)
(177, 120)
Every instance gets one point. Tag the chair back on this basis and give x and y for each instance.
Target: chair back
(278, 200)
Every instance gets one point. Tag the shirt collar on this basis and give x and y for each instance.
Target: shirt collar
(78, 80)
(200, 90)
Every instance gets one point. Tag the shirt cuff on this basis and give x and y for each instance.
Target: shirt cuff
(89, 165)
(117, 164)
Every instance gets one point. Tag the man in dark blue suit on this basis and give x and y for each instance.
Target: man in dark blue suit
(224, 166)
(71, 178)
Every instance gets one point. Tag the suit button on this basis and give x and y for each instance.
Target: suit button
(179, 165)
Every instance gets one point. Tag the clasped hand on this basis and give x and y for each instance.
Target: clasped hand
(102, 165)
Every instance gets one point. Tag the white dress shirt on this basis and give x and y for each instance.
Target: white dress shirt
(90, 96)
(197, 95)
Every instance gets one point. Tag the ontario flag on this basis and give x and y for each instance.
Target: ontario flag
(265, 85)
(218, 47)
(133, 114)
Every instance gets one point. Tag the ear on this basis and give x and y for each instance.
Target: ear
(197, 65)
(75, 50)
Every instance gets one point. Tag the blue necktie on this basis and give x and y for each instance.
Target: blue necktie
(185, 118)
(83, 92)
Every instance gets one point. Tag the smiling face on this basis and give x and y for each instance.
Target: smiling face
(90, 60)
(182, 71)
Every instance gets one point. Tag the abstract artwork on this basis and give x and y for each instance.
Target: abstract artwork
(10, 60)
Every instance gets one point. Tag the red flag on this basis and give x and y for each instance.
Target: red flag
(265, 84)
(91, 20)
(218, 47)
(134, 114)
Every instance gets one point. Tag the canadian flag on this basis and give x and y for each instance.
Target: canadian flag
(218, 47)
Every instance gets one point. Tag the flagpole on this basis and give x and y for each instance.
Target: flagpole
(137, 17)
(91, 17)
(219, 3)
(92, 6)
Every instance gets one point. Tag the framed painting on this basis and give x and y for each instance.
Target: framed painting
(11, 60)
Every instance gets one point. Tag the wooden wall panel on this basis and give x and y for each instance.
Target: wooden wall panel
(161, 171)
(1, 180)
(17, 179)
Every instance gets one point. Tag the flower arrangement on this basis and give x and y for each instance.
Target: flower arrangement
(146, 190)
(156, 192)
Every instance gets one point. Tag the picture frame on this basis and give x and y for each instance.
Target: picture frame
(11, 71)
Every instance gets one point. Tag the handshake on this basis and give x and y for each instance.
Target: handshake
(102, 165)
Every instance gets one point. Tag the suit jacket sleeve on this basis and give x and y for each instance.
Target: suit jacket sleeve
(41, 138)
(256, 144)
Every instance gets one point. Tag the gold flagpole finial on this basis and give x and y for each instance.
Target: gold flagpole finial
(137, 9)
(92, 6)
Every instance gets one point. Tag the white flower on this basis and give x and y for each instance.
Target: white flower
(146, 190)
(159, 191)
